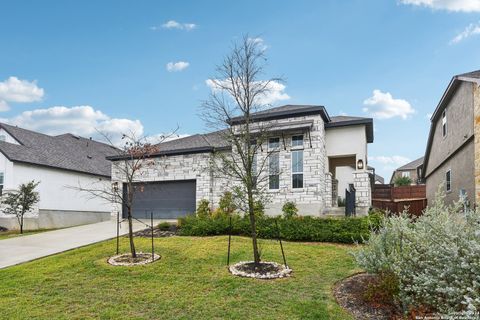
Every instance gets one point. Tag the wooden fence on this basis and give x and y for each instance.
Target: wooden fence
(396, 199)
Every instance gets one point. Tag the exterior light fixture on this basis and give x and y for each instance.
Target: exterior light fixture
(115, 186)
(360, 164)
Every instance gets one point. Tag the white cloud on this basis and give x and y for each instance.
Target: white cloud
(275, 91)
(84, 121)
(177, 66)
(471, 30)
(260, 42)
(172, 24)
(449, 5)
(396, 161)
(382, 105)
(20, 91)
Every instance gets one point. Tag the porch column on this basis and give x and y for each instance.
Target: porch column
(328, 189)
(363, 195)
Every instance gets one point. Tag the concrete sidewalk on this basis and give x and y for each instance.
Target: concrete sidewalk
(25, 248)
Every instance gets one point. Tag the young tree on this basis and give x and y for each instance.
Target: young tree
(21, 201)
(237, 93)
(129, 164)
(402, 181)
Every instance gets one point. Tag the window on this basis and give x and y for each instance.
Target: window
(406, 174)
(273, 143)
(444, 123)
(297, 169)
(448, 180)
(297, 141)
(274, 171)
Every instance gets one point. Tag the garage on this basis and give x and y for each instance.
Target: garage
(167, 200)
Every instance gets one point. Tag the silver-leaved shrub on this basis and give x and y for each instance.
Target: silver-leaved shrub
(436, 258)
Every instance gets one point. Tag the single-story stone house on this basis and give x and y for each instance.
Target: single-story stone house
(316, 158)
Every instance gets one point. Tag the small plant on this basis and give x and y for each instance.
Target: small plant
(289, 210)
(164, 226)
(259, 209)
(226, 204)
(203, 210)
(21, 201)
(402, 181)
(341, 202)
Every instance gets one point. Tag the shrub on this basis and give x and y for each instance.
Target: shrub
(164, 226)
(259, 209)
(226, 205)
(402, 181)
(304, 228)
(289, 210)
(436, 258)
(203, 209)
(341, 202)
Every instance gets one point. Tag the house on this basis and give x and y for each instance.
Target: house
(312, 158)
(410, 170)
(452, 156)
(59, 163)
(379, 179)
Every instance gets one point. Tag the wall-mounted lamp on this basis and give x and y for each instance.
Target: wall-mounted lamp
(115, 186)
(360, 164)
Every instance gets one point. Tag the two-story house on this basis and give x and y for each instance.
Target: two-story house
(310, 155)
(411, 170)
(452, 157)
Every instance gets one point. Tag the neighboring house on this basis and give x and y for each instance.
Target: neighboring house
(314, 156)
(452, 157)
(60, 163)
(412, 170)
(379, 179)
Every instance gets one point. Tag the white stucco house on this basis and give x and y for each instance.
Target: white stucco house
(58, 163)
(316, 157)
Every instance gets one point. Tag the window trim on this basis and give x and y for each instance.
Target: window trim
(448, 184)
(297, 172)
(299, 146)
(406, 174)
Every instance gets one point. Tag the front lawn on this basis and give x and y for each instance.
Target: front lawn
(191, 281)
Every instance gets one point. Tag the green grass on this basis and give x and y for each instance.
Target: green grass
(190, 281)
(16, 233)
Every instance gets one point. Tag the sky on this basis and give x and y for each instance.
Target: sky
(113, 66)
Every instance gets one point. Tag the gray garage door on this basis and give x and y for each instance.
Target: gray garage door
(167, 200)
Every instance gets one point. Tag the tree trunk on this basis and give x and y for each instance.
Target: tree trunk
(253, 225)
(130, 233)
(21, 224)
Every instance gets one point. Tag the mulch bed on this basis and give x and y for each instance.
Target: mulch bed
(265, 270)
(350, 295)
(157, 233)
(125, 259)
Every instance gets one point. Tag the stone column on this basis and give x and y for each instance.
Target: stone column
(476, 132)
(363, 196)
(328, 190)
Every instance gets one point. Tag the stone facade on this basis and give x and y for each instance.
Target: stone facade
(312, 199)
(476, 130)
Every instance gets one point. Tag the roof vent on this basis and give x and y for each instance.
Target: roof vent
(89, 157)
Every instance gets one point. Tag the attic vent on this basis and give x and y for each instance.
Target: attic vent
(89, 157)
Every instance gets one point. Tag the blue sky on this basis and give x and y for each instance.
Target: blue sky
(103, 64)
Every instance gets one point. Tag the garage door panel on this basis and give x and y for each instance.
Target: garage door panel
(167, 200)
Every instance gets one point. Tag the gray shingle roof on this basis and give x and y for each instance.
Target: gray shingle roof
(473, 74)
(197, 141)
(66, 151)
(412, 165)
(284, 112)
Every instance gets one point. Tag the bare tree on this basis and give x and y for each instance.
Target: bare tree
(129, 165)
(237, 94)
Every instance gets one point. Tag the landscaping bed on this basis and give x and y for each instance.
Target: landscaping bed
(307, 228)
(190, 281)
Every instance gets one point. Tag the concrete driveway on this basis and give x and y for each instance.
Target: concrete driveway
(25, 248)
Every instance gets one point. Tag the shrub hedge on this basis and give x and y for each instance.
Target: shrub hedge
(302, 228)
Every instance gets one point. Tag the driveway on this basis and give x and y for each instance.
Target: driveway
(25, 248)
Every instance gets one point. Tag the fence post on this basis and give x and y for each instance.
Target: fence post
(281, 246)
(118, 228)
(151, 226)
(229, 241)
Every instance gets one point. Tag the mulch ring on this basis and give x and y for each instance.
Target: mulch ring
(125, 259)
(157, 232)
(350, 295)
